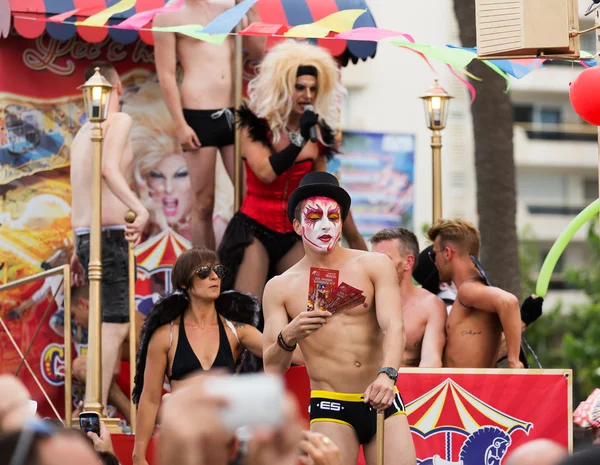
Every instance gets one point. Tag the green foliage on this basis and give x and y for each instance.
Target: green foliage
(570, 337)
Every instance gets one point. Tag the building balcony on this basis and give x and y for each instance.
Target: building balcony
(546, 145)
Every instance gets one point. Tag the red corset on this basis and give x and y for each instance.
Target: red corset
(267, 203)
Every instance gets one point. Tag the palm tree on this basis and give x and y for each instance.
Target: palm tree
(494, 164)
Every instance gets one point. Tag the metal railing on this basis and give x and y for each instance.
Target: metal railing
(65, 270)
(560, 132)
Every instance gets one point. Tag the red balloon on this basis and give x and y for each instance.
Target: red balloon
(585, 95)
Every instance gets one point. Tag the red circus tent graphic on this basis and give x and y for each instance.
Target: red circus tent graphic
(159, 253)
(449, 408)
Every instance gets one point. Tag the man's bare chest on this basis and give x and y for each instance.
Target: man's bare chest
(414, 326)
(463, 321)
(202, 13)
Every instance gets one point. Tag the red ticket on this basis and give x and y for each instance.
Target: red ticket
(359, 300)
(321, 284)
(341, 293)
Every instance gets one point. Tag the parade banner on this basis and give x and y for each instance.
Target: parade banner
(378, 172)
(475, 417)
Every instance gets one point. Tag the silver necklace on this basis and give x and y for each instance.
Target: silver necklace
(295, 137)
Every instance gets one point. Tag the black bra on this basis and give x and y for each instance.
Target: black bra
(185, 361)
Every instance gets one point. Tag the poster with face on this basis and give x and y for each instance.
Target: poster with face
(377, 170)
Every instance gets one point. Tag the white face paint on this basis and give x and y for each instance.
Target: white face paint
(321, 223)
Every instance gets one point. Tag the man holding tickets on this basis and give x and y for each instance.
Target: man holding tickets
(352, 352)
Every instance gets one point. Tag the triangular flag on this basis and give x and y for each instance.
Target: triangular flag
(100, 19)
(194, 31)
(139, 20)
(341, 21)
(225, 22)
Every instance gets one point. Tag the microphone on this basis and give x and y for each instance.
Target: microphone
(313, 130)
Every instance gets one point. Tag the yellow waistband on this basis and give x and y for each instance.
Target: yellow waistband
(341, 395)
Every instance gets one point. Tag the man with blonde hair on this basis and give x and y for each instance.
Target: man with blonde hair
(480, 312)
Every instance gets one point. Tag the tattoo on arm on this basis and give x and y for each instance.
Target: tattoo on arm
(470, 332)
(239, 325)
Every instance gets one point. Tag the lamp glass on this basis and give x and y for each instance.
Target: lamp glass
(436, 103)
(436, 112)
(96, 97)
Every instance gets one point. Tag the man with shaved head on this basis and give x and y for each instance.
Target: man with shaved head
(538, 452)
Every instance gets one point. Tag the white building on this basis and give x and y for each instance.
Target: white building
(556, 154)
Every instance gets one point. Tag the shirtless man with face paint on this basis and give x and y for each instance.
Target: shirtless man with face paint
(351, 357)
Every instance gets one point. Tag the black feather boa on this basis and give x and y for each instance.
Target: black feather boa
(261, 132)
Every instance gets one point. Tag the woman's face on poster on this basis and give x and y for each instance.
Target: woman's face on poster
(170, 188)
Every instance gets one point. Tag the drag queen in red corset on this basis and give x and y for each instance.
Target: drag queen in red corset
(278, 151)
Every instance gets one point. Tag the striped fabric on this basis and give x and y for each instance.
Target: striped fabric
(287, 12)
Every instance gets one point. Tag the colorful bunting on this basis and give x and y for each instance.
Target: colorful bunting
(100, 19)
(195, 31)
(139, 20)
(455, 57)
(262, 29)
(86, 11)
(371, 34)
(226, 22)
(341, 21)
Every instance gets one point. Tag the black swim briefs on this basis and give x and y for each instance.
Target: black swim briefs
(351, 410)
(214, 128)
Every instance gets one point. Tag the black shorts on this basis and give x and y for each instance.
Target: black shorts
(351, 410)
(214, 128)
(115, 273)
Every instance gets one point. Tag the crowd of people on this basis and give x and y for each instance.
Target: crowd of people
(242, 306)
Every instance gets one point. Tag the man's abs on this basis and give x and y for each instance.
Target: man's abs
(207, 74)
(344, 358)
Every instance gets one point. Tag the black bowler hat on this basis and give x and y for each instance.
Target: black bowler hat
(319, 184)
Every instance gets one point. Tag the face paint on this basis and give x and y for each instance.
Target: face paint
(321, 223)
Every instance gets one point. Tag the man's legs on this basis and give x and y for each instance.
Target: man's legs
(342, 436)
(399, 448)
(113, 335)
(228, 156)
(201, 166)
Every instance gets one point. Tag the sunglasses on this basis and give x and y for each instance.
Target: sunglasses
(203, 272)
(432, 253)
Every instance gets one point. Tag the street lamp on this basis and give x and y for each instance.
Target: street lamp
(96, 97)
(436, 102)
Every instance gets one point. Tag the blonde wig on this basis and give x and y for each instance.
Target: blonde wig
(271, 90)
(153, 133)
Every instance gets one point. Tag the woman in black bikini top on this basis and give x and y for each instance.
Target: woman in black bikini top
(190, 331)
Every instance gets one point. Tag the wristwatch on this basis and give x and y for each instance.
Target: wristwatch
(390, 372)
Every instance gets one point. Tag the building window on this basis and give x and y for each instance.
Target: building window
(549, 116)
(523, 113)
(590, 189)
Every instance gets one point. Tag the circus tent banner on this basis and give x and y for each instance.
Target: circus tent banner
(474, 417)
